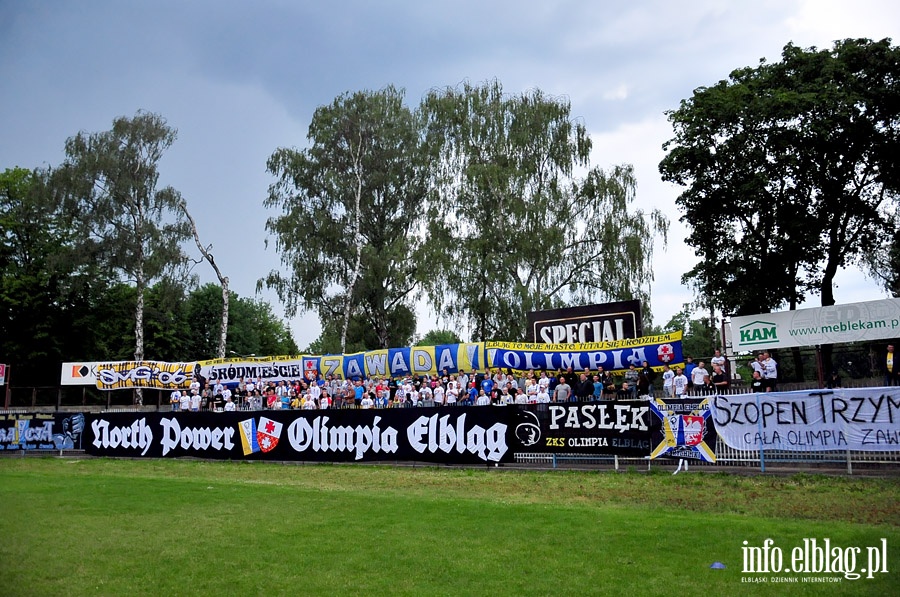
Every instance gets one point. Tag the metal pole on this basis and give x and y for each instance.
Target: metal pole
(762, 453)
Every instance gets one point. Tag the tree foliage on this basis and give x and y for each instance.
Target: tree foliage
(61, 300)
(43, 287)
(254, 328)
(699, 337)
(884, 262)
(351, 208)
(361, 335)
(790, 172)
(513, 227)
(25, 245)
(438, 337)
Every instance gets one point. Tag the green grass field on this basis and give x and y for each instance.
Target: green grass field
(120, 527)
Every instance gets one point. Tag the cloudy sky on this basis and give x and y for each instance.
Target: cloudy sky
(239, 79)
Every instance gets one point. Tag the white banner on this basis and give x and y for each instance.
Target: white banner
(863, 419)
(853, 322)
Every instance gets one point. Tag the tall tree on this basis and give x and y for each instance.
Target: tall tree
(253, 327)
(351, 208)
(111, 179)
(206, 251)
(512, 226)
(790, 172)
(48, 291)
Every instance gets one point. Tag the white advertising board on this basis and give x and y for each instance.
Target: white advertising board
(79, 374)
(853, 322)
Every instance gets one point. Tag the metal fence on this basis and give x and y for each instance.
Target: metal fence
(728, 458)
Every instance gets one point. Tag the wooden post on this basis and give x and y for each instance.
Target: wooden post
(8, 388)
(820, 366)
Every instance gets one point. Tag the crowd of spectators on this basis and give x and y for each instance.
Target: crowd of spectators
(463, 389)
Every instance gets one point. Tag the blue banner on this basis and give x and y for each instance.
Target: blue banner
(612, 356)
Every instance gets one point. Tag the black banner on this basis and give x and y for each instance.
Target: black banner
(459, 435)
(622, 427)
(585, 324)
(41, 431)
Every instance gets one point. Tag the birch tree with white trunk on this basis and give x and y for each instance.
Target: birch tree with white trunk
(110, 182)
(349, 228)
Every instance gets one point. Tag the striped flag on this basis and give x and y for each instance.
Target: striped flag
(248, 436)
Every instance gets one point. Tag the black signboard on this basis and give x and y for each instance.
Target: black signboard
(621, 427)
(588, 323)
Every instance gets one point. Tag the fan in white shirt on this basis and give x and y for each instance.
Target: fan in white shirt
(438, 395)
(698, 374)
(718, 359)
(680, 383)
(543, 381)
(668, 378)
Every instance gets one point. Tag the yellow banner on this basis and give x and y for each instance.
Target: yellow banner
(144, 374)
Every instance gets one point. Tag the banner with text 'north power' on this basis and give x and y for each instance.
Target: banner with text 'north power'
(462, 435)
